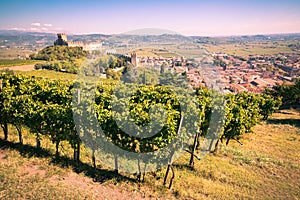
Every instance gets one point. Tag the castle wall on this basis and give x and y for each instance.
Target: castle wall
(62, 41)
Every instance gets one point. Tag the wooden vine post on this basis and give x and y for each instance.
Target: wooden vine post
(170, 164)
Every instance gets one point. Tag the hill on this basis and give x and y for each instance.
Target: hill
(266, 166)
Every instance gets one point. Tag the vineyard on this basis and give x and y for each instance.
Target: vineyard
(46, 107)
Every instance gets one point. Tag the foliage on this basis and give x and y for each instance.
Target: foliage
(45, 106)
(9, 63)
(140, 75)
(290, 94)
(242, 113)
(111, 62)
(70, 59)
(268, 104)
(53, 53)
(111, 74)
(60, 58)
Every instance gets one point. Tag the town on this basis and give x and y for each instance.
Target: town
(254, 73)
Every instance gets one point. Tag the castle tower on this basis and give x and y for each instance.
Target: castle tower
(134, 60)
(61, 39)
(62, 36)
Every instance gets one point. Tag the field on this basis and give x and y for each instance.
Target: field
(11, 63)
(155, 52)
(14, 53)
(145, 52)
(18, 64)
(49, 74)
(266, 166)
(248, 49)
(190, 53)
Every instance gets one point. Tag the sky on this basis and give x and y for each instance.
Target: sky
(187, 17)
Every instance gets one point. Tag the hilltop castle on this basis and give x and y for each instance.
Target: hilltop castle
(63, 41)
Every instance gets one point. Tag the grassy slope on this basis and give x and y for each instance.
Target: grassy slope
(266, 166)
(11, 63)
(49, 74)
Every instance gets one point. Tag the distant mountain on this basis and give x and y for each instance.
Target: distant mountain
(37, 40)
(246, 38)
(89, 37)
(25, 40)
(165, 38)
(21, 33)
(151, 35)
(150, 31)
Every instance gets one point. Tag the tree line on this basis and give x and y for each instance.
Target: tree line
(290, 94)
(70, 59)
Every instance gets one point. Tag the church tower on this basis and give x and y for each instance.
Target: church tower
(134, 60)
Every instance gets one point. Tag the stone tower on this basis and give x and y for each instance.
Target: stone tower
(61, 39)
(62, 36)
(134, 60)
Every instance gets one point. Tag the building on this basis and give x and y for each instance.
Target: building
(61, 40)
(134, 60)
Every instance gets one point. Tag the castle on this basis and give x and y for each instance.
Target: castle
(62, 40)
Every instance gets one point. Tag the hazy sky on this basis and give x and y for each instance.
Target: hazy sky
(188, 17)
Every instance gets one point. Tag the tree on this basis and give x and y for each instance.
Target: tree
(111, 74)
(268, 105)
(130, 74)
(289, 94)
(163, 68)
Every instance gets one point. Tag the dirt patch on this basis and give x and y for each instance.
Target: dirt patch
(20, 68)
(97, 190)
(32, 170)
(2, 156)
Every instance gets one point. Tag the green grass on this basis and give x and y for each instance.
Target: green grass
(266, 166)
(155, 52)
(49, 74)
(10, 63)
